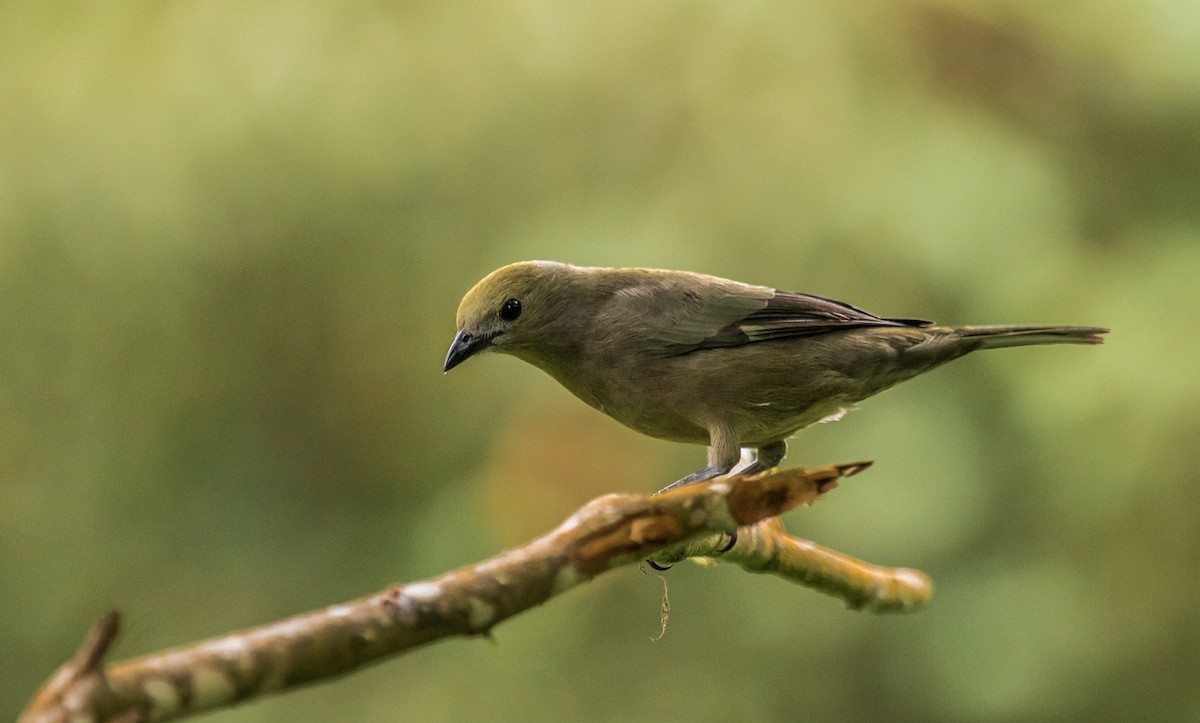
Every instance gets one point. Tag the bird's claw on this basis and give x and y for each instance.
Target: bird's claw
(733, 538)
(702, 475)
(732, 541)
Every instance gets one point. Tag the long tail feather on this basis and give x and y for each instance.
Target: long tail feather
(996, 337)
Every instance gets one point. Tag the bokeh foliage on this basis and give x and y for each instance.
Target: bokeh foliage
(232, 238)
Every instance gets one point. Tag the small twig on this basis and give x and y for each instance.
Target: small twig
(766, 547)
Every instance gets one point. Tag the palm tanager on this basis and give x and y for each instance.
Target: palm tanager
(694, 358)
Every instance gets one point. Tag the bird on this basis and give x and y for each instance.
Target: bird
(689, 357)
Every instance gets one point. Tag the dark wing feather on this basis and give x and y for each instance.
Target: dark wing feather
(789, 315)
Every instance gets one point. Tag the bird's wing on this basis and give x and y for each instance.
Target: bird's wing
(672, 313)
(736, 320)
(675, 313)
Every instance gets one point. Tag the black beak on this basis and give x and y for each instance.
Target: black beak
(464, 346)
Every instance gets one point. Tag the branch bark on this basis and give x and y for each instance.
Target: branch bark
(607, 533)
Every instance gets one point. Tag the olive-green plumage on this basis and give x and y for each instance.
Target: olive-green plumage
(696, 358)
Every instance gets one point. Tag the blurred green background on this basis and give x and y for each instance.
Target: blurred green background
(233, 238)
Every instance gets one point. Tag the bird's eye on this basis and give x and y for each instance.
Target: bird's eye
(510, 310)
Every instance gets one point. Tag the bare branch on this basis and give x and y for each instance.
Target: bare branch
(766, 547)
(607, 533)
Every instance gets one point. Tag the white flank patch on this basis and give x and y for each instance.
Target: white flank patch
(841, 412)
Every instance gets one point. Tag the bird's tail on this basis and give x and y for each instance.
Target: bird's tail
(996, 337)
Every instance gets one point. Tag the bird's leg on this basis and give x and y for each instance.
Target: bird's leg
(724, 453)
(768, 458)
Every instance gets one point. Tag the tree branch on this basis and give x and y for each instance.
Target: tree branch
(766, 547)
(608, 532)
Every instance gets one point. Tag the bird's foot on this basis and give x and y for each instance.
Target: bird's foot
(733, 538)
(729, 545)
(768, 458)
(702, 475)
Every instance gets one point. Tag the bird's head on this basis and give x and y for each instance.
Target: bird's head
(516, 309)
